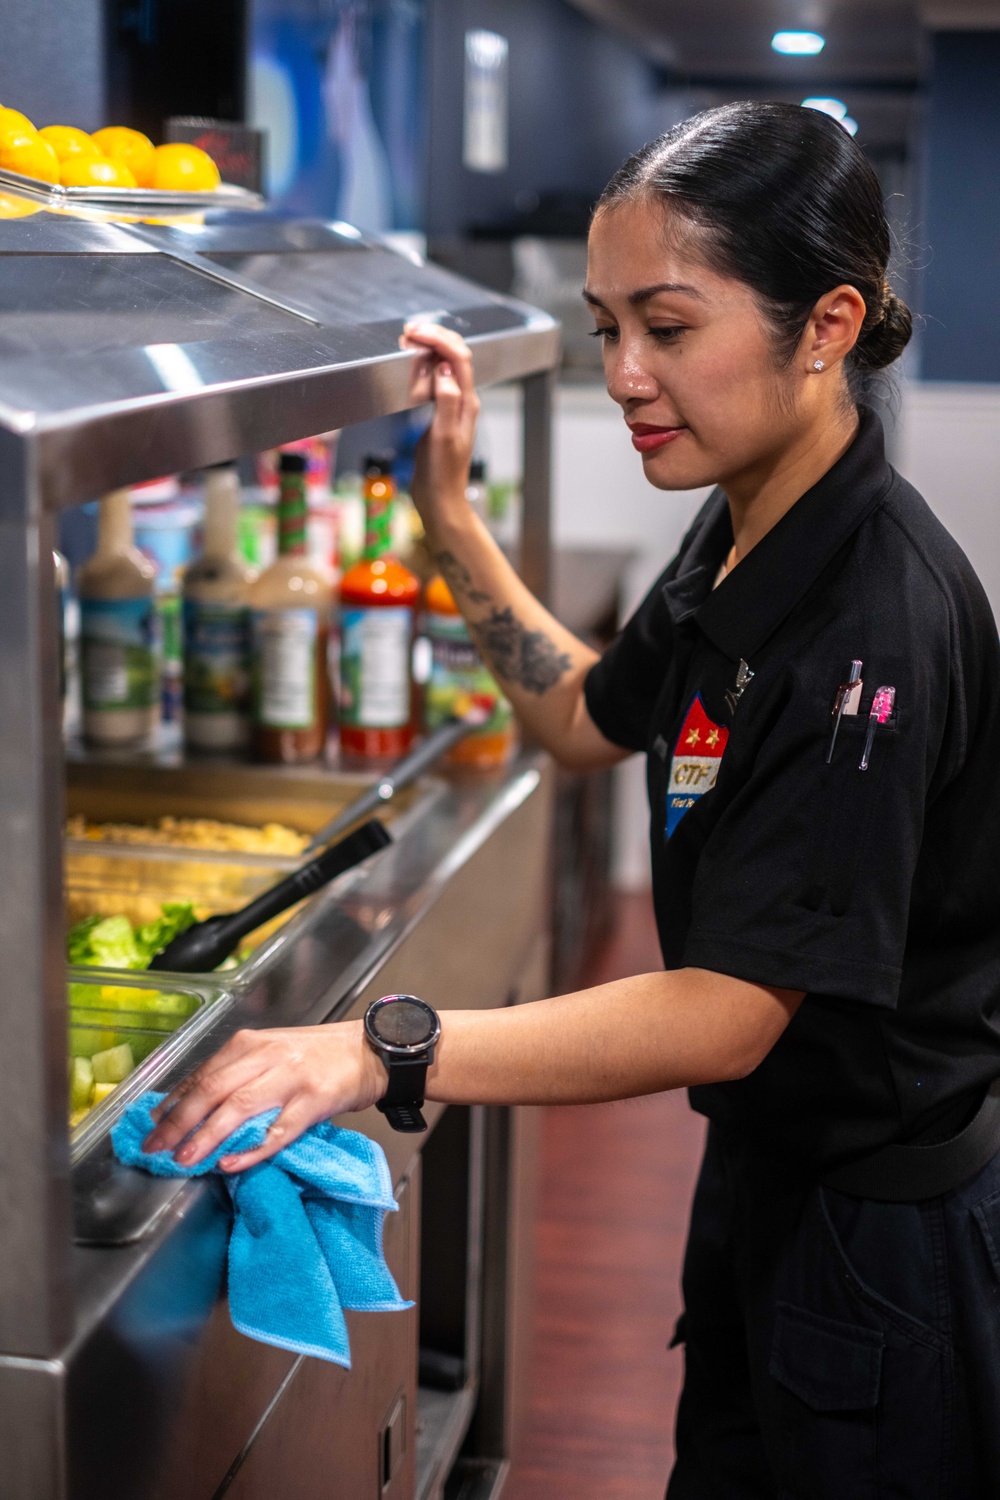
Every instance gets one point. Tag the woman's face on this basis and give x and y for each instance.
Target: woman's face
(687, 354)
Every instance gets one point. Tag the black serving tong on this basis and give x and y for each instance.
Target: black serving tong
(204, 946)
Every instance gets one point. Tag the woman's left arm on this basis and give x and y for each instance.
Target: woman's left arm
(640, 1035)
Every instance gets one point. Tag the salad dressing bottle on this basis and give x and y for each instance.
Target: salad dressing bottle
(290, 604)
(378, 599)
(216, 594)
(118, 660)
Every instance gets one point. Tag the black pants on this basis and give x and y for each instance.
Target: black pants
(837, 1349)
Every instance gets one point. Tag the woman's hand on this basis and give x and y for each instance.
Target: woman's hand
(445, 450)
(309, 1073)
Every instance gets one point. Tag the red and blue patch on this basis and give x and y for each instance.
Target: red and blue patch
(694, 768)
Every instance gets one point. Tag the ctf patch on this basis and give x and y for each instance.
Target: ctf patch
(695, 766)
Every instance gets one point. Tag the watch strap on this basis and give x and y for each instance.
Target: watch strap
(405, 1094)
(406, 1118)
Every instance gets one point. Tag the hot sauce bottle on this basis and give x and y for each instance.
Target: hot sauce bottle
(290, 604)
(378, 598)
(458, 681)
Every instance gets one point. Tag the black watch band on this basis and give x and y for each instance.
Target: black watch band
(405, 1094)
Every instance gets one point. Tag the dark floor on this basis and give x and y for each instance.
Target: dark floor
(616, 1185)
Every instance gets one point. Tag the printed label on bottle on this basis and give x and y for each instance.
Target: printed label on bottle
(117, 653)
(375, 667)
(458, 679)
(285, 667)
(216, 658)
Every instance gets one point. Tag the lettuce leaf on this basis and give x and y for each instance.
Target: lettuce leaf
(111, 942)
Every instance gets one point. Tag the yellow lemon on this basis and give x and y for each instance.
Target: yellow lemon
(12, 207)
(185, 169)
(94, 171)
(30, 155)
(119, 143)
(12, 121)
(68, 142)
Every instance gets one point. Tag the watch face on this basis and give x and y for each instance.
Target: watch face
(403, 1021)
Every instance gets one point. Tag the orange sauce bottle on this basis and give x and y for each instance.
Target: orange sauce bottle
(378, 602)
(459, 681)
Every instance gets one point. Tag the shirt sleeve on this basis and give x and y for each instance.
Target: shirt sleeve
(805, 881)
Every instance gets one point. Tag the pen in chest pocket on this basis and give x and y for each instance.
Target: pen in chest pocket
(881, 711)
(847, 701)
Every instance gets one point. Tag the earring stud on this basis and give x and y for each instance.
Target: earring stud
(817, 364)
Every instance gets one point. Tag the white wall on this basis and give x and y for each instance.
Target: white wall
(948, 445)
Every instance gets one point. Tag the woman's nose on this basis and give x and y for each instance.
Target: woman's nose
(627, 380)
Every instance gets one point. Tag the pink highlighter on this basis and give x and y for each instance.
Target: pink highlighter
(881, 711)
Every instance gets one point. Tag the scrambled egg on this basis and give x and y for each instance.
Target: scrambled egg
(193, 833)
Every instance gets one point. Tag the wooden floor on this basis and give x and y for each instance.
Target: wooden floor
(616, 1187)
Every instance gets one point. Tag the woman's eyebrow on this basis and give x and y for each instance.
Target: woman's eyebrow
(645, 293)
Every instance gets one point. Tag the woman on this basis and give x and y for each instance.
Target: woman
(814, 680)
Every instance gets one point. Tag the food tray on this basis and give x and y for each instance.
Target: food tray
(137, 200)
(156, 1018)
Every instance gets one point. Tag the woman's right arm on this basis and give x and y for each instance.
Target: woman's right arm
(540, 665)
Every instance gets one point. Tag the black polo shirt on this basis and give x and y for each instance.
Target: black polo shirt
(875, 891)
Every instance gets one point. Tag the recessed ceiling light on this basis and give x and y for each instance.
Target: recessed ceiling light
(832, 107)
(798, 43)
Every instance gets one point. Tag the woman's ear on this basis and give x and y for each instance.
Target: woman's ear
(833, 329)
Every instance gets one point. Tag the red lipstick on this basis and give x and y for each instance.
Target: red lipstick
(647, 439)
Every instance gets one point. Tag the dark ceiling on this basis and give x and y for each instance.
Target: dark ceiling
(875, 56)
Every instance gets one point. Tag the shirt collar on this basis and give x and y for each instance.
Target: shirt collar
(756, 597)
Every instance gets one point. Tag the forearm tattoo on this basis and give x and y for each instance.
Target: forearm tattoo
(458, 578)
(524, 657)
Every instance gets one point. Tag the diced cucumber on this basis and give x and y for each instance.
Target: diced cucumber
(113, 1065)
(102, 1090)
(81, 1083)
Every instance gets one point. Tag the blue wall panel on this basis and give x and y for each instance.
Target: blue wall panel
(961, 295)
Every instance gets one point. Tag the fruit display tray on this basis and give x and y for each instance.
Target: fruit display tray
(136, 200)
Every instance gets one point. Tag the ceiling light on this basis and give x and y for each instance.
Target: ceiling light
(832, 107)
(798, 43)
(851, 126)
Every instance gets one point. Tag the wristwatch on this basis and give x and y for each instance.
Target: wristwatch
(403, 1031)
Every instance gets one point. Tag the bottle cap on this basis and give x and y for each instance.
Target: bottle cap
(292, 463)
(378, 463)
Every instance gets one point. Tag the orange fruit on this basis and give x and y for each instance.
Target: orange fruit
(184, 168)
(30, 155)
(94, 171)
(12, 120)
(68, 142)
(119, 143)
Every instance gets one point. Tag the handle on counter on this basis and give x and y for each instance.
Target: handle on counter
(401, 775)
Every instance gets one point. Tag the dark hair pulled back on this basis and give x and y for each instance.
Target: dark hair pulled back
(787, 203)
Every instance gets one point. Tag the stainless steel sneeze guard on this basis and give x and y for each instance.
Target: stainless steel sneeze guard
(126, 352)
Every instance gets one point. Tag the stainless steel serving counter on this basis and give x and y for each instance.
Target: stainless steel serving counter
(128, 351)
(154, 1394)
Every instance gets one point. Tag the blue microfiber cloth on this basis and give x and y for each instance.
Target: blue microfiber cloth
(307, 1229)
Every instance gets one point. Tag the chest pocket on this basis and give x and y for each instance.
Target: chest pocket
(693, 765)
(849, 819)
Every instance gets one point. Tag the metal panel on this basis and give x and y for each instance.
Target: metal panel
(34, 1161)
(536, 519)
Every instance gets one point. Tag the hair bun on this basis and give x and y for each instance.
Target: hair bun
(883, 343)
